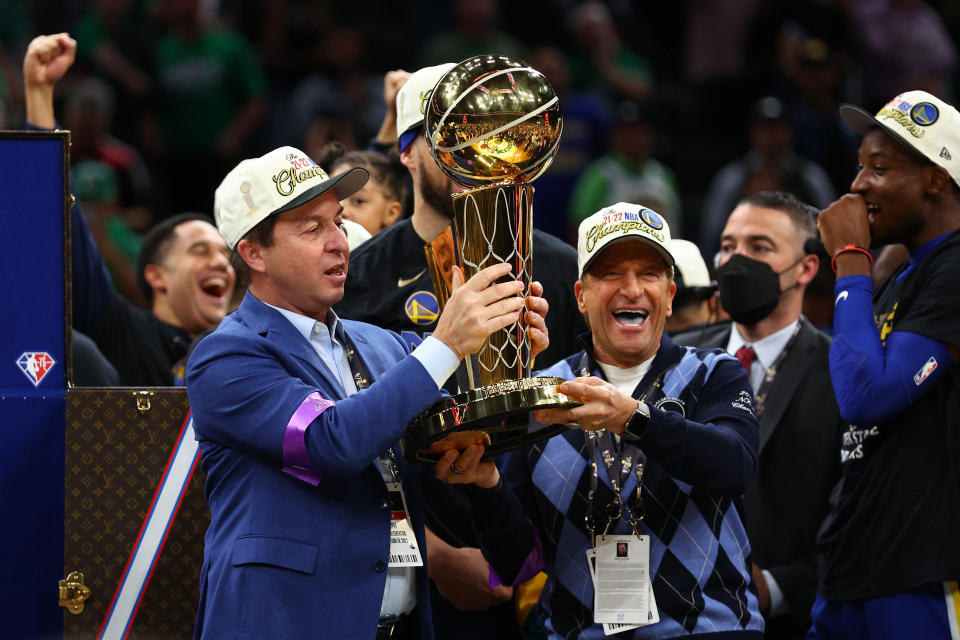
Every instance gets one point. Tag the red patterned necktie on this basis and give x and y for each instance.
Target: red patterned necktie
(746, 356)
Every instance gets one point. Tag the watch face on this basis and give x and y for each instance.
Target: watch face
(638, 422)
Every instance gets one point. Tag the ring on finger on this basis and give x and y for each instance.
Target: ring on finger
(455, 470)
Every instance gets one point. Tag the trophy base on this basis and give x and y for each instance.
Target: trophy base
(496, 416)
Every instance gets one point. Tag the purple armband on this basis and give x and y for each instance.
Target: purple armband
(296, 462)
(533, 565)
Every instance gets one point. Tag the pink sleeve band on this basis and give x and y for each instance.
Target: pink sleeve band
(296, 461)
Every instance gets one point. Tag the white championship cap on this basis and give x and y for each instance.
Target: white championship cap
(622, 221)
(356, 233)
(924, 123)
(690, 264)
(275, 182)
(412, 100)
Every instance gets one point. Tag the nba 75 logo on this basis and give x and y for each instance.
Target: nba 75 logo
(35, 365)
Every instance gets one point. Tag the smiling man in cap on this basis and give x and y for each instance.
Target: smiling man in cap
(667, 445)
(889, 558)
(316, 525)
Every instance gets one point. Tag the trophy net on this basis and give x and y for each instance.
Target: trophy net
(494, 225)
(492, 123)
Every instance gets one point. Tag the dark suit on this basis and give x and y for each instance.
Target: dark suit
(800, 430)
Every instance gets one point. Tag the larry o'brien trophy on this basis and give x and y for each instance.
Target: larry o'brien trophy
(492, 123)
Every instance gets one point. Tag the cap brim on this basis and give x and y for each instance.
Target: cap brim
(666, 255)
(407, 137)
(862, 121)
(859, 120)
(344, 185)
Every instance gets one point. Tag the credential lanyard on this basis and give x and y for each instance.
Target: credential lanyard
(619, 459)
(361, 378)
(760, 397)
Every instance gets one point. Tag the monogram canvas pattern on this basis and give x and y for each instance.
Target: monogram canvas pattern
(115, 457)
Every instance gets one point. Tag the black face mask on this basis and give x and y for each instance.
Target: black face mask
(749, 289)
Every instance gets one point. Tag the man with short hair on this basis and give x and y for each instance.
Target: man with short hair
(183, 270)
(316, 524)
(766, 262)
(667, 444)
(889, 558)
(389, 285)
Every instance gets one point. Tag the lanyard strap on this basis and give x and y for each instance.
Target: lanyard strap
(619, 458)
(357, 369)
(760, 397)
(389, 466)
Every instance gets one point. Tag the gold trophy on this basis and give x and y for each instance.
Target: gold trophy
(492, 123)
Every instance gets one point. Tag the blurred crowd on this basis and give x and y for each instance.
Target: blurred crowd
(723, 116)
(683, 106)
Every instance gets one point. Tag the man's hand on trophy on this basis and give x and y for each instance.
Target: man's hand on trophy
(535, 316)
(477, 308)
(468, 467)
(604, 406)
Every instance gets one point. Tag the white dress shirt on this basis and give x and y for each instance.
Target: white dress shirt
(767, 350)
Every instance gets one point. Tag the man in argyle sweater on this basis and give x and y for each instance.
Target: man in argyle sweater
(676, 420)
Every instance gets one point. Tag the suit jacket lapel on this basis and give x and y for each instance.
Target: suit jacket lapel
(718, 341)
(267, 321)
(788, 379)
(789, 375)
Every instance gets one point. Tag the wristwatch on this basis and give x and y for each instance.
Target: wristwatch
(637, 424)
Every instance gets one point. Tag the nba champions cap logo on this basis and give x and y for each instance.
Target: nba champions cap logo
(622, 221)
(919, 120)
(275, 182)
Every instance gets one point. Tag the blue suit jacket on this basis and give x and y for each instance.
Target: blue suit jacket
(284, 558)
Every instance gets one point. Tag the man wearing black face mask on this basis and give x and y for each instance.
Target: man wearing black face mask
(764, 271)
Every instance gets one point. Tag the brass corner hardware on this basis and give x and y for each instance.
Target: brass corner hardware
(143, 400)
(73, 592)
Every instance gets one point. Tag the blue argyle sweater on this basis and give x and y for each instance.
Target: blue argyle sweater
(701, 451)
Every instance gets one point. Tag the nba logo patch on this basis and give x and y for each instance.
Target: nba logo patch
(422, 308)
(928, 367)
(35, 365)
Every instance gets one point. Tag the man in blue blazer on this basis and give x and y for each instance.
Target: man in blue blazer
(299, 414)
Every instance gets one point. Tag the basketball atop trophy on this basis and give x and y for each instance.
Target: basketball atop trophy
(493, 124)
(493, 119)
